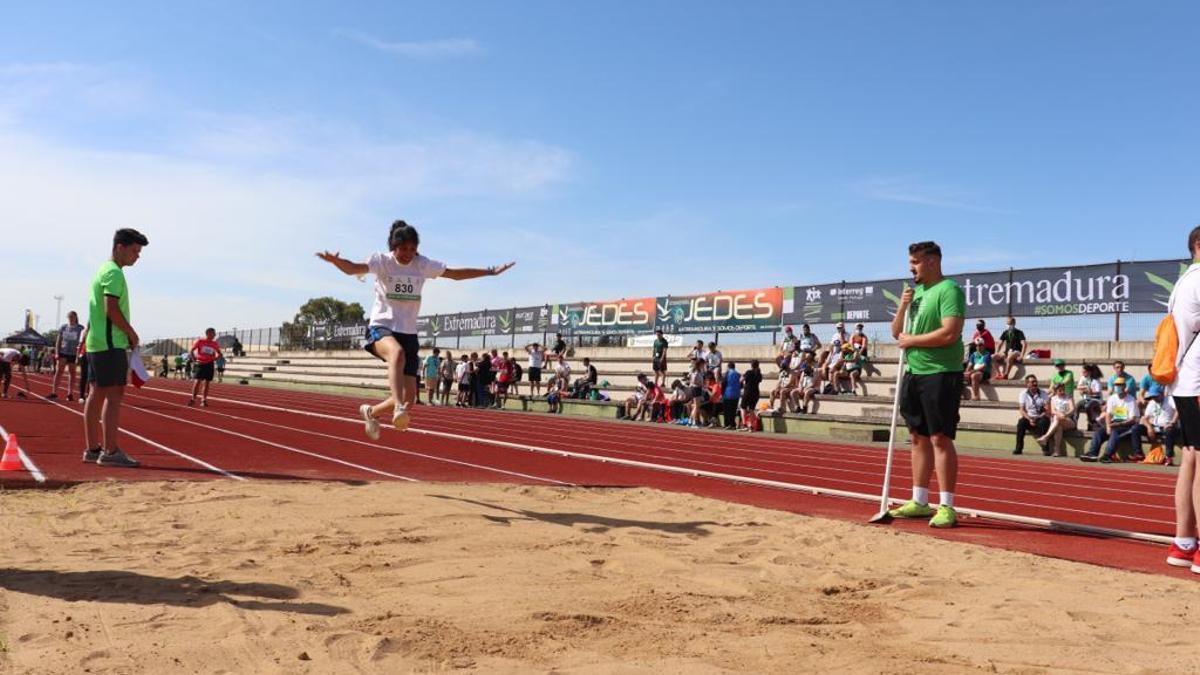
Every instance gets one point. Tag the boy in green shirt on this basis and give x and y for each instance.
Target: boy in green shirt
(1064, 377)
(931, 389)
(109, 337)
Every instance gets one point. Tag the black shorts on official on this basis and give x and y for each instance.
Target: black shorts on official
(535, 375)
(69, 358)
(408, 342)
(204, 371)
(5, 370)
(109, 368)
(659, 365)
(464, 388)
(929, 403)
(750, 401)
(1189, 420)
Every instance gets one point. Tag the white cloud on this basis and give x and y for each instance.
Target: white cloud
(907, 190)
(426, 50)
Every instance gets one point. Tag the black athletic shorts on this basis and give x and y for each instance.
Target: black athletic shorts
(750, 401)
(535, 375)
(659, 364)
(408, 342)
(929, 403)
(109, 368)
(1189, 420)
(5, 370)
(204, 371)
(69, 358)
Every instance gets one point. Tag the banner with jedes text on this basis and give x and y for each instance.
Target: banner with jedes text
(724, 311)
(614, 317)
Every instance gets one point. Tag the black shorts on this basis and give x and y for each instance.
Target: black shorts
(929, 403)
(446, 384)
(408, 342)
(204, 371)
(535, 375)
(69, 358)
(659, 364)
(5, 370)
(696, 392)
(750, 401)
(1189, 420)
(464, 388)
(109, 368)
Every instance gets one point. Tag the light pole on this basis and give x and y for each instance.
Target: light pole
(58, 312)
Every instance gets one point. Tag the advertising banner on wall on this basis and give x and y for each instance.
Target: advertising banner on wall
(723, 312)
(482, 322)
(531, 319)
(614, 317)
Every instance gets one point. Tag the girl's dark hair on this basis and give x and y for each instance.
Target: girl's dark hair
(402, 233)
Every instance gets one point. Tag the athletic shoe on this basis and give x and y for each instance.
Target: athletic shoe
(1105, 459)
(191, 402)
(372, 424)
(400, 420)
(90, 456)
(946, 517)
(52, 397)
(204, 403)
(1018, 452)
(1181, 557)
(20, 394)
(4, 395)
(118, 458)
(1087, 458)
(912, 509)
(70, 398)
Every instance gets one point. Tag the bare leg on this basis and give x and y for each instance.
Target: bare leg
(922, 460)
(1187, 496)
(59, 365)
(91, 416)
(112, 416)
(391, 353)
(71, 368)
(946, 459)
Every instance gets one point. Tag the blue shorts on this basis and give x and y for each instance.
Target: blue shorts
(408, 342)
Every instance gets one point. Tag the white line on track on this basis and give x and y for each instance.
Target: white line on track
(401, 451)
(160, 446)
(25, 460)
(816, 490)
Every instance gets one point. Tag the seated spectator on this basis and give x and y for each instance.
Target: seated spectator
(560, 346)
(1161, 422)
(637, 403)
(851, 372)
(554, 394)
(1119, 421)
(1064, 377)
(979, 369)
(839, 334)
(806, 385)
(713, 359)
(1011, 351)
(681, 397)
(710, 412)
(751, 392)
(789, 345)
(982, 333)
(808, 342)
(831, 364)
(562, 373)
(1035, 414)
(585, 384)
(1131, 385)
(731, 392)
(1144, 385)
(697, 352)
(1062, 420)
(1091, 393)
(859, 341)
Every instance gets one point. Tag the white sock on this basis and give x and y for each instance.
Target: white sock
(921, 495)
(946, 499)
(1185, 543)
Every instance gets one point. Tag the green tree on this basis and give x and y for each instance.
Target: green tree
(320, 311)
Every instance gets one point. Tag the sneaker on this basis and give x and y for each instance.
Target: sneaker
(90, 456)
(1105, 459)
(20, 394)
(400, 419)
(1018, 452)
(1061, 453)
(372, 424)
(912, 509)
(70, 398)
(1087, 458)
(946, 516)
(1181, 557)
(191, 402)
(52, 397)
(117, 458)
(204, 403)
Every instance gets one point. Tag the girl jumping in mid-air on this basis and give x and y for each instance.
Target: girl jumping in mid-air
(400, 275)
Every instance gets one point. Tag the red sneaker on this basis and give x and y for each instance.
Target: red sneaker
(1181, 557)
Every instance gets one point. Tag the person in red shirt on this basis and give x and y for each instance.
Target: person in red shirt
(205, 353)
(981, 331)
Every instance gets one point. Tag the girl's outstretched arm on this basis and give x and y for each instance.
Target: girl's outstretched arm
(346, 266)
(462, 273)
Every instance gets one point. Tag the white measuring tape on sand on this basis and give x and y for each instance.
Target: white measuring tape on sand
(1047, 523)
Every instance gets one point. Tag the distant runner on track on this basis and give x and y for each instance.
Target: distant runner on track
(400, 275)
(205, 351)
(66, 353)
(7, 358)
(931, 389)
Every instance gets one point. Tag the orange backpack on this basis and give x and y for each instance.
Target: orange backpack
(1164, 367)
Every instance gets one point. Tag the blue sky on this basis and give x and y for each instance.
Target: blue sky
(613, 150)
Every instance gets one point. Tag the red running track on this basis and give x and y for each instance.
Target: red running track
(262, 433)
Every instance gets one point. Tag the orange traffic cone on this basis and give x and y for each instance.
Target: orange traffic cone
(12, 457)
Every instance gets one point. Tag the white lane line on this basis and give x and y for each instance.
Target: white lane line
(816, 490)
(281, 446)
(156, 444)
(413, 453)
(25, 460)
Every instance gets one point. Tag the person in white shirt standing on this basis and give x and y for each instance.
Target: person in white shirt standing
(1184, 307)
(66, 353)
(400, 275)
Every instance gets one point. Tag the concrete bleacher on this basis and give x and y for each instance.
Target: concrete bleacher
(988, 423)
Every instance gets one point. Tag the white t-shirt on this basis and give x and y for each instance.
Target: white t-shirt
(536, 358)
(1161, 416)
(1185, 309)
(1121, 409)
(1035, 404)
(714, 359)
(398, 290)
(9, 355)
(1060, 404)
(563, 369)
(463, 373)
(809, 343)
